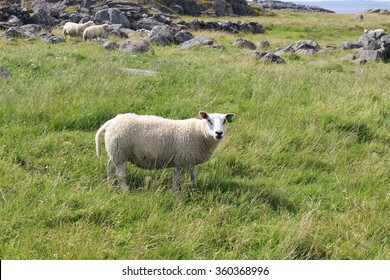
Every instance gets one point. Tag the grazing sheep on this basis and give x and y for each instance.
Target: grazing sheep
(95, 31)
(75, 29)
(153, 142)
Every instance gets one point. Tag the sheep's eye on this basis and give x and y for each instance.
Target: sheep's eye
(224, 121)
(210, 122)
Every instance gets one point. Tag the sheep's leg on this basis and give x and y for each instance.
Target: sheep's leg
(193, 175)
(121, 170)
(177, 177)
(110, 171)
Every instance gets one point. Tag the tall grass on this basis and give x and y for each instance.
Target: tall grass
(303, 173)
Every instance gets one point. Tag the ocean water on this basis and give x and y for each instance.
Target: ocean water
(346, 7)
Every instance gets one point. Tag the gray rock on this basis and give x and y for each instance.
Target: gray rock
(41, 17)
(50, 38)
(351, 45)
(102, 16)
(372, 55)
(182, 36)
(267, 56)
(244, 43)
(18, 32)
(4, 73)
(161, 35)
(136, 46)
(308, 46)
(349, 57)
(146, 23)
(110, 45)
(117, 17)
(201, 40)
(359, 61)
(263, 44)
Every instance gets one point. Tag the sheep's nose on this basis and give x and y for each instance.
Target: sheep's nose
(219, 134)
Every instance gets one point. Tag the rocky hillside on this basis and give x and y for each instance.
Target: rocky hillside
(182, 7)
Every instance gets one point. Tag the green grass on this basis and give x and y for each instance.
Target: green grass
(303, 173)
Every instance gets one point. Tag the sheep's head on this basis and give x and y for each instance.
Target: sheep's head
(216, 123)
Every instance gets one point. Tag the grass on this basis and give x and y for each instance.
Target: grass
(303, 173)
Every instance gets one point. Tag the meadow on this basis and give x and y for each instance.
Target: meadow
(302, 174)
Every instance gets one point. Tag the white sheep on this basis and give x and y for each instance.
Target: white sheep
(153, 142)
(366, 31)
(75, 29)
(95, 31)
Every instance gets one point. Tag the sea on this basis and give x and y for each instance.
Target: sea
(346, 7)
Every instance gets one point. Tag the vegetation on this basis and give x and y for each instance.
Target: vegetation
(303, 173)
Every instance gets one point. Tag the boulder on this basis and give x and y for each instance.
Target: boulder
(41, 17)
(136, 46)
(146, 23)
(161, 35)
(110, 45)
(4, 73)
(351, 45)
(372, 55)
(182, 36)
(267, 57)
(50, 38)
(19, 32)
(244, 43)
(201, 40)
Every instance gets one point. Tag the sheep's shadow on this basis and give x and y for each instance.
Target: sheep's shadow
(253, 192)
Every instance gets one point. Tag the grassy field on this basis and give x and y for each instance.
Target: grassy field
(303, 173)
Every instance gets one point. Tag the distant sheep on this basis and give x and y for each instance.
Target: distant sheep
(153, 142)
(366, 31)
(95, 31)
(75, 29)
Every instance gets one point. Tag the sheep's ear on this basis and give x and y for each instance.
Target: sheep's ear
(230, 117)
(203, 115)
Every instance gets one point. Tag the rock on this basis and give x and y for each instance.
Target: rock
(161, 35)
(182, 36)
(138, 71)
(117, 17)
(306, 47)
(110, 45)
(146, 23)
(359, 17)
(263, 44)
(359, 61)
(222, 8)
(290, 7)
(378, 11)
(4, 73)
(349, 57)
(18, 32)
(136, 46)
(42, 18)
(372, 55)
(50, 38)
(351, 45)
(244, 43)
(267, 57)
(201, 40)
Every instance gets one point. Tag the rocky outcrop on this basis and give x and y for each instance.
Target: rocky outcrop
(374, 45)
(224, 25)
(290, 7)
(378, 11)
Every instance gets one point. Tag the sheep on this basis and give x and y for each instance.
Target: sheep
(379, 31)
(76, 29)
(95, 31)
(153, 142)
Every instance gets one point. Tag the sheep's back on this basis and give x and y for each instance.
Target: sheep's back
(156, 142)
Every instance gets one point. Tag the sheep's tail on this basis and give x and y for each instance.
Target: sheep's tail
(98, 138)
